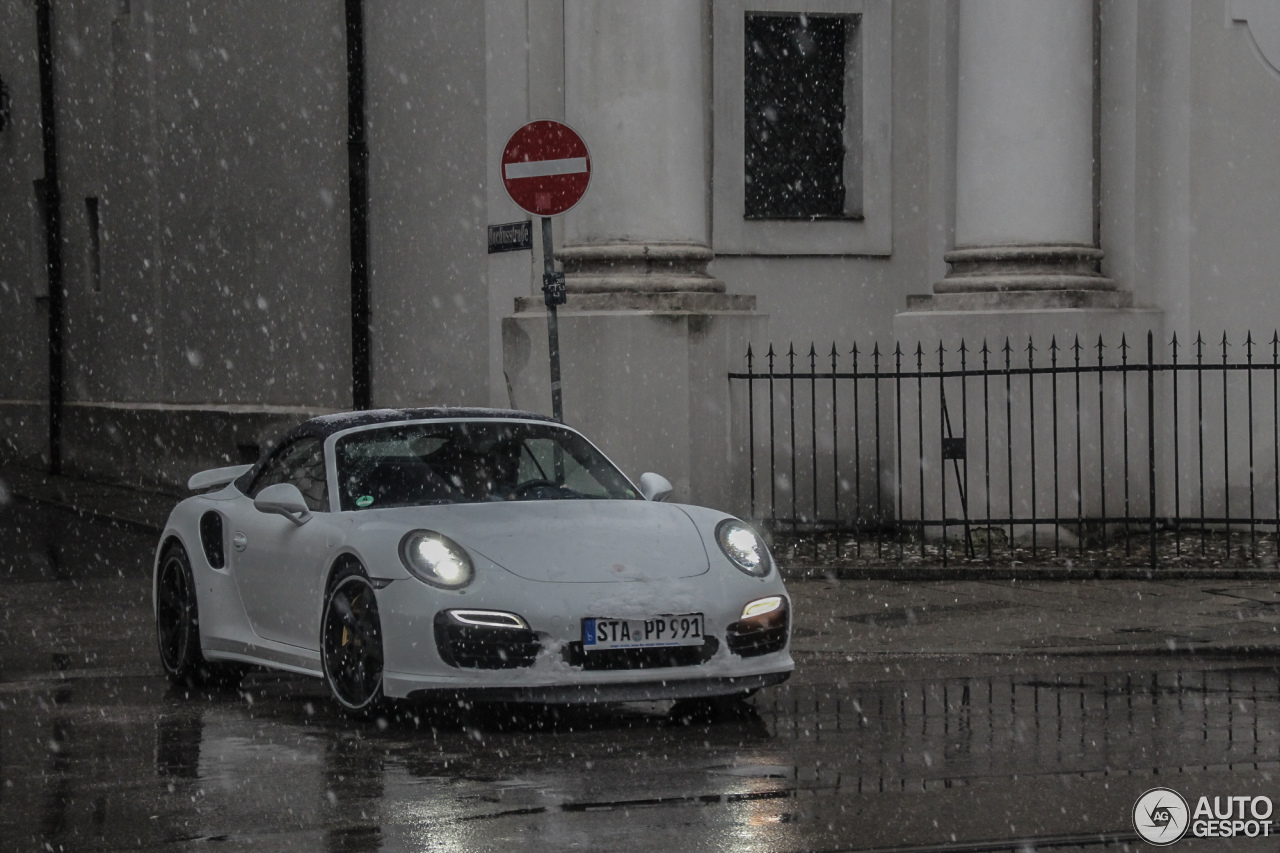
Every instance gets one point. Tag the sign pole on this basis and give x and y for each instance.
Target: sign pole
(546, 169)
(552, 295)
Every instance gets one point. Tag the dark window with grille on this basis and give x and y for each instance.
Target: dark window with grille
(797, 117)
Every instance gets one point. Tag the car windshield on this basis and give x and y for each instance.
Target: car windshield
(472, 462)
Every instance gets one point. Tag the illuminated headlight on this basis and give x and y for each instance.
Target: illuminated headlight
(761, 606)
(743, 547)
(436, 559)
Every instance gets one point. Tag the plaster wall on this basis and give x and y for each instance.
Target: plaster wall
(1189, 194)
(428, 126)
(1234, 100)
(212, 138)
(508, 86)
(23, 367)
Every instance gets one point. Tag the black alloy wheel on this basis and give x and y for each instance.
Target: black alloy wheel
(351, 642)
(177, 617)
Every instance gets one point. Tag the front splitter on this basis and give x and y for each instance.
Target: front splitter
(586, 694)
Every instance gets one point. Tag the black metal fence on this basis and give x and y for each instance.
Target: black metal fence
(974, 453)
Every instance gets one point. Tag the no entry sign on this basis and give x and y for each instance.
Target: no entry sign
(546, 167)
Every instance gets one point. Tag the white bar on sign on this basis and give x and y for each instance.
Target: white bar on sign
(540, 168)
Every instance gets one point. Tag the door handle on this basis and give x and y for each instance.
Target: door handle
(239, 541)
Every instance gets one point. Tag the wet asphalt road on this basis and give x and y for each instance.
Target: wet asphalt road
(911, 730)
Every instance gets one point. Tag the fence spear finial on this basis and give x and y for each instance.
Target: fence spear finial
(1248, 345)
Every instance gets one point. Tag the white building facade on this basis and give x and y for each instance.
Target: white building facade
(765, 171)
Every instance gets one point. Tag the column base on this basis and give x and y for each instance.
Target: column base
(638, 268)
(660, 301)
(1020, 300)
(1017, 268)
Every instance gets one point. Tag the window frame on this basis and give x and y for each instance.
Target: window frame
(331, 451)
(869, 234)
(252, 489)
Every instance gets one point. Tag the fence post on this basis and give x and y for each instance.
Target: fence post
(751, 428)
(1151, 442)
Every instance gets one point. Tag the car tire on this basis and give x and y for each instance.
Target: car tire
(178, 618)
(351, 642)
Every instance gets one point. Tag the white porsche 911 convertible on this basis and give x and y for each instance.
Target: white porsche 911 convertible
(486, 553)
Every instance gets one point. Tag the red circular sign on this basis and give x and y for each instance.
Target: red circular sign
(546, 167)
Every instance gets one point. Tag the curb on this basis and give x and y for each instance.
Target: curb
(1022, 573)
(113, 519)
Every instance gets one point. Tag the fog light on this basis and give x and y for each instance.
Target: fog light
(761, 606)
(488, 618)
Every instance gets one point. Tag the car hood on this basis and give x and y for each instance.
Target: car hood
(573, 541)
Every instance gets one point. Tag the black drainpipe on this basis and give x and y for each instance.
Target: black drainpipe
(358, 189)
(52, 230)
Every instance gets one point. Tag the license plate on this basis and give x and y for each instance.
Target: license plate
(652, 632)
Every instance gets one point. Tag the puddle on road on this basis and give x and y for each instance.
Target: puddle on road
(131, 762)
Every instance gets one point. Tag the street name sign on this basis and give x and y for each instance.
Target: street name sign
(511, 236)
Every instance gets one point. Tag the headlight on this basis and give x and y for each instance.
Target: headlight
(743, 547)
(436, 559)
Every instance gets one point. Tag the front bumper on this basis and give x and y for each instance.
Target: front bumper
(416, 663)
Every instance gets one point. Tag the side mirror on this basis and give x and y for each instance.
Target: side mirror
(283, 499)
(655, 487)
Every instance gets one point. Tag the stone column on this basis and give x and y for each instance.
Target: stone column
(647, 336)
(634, 89)
(1024, 159)
(1025, 268)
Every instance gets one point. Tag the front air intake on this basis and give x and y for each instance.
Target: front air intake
(211, 539)
(478, 646)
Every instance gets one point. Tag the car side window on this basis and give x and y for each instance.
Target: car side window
(300, 463)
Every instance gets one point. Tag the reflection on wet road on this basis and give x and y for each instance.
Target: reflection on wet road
(855, 753)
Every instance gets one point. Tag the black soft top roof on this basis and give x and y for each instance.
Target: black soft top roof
(326, 425)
